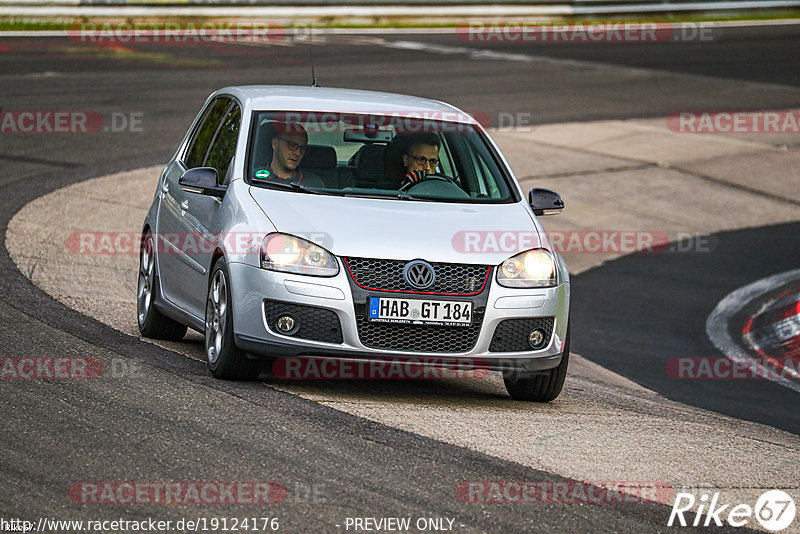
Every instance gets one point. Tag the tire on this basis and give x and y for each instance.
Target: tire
(152, 323)
(543, 387)
(225, 360)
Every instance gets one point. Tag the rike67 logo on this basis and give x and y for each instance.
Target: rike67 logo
(774, 510)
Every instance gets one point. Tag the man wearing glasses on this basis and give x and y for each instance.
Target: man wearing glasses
(289, 145)
(421, 158)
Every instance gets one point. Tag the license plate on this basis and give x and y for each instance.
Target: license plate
(415, 311)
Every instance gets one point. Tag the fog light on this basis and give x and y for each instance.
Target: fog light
(287, 324)
(536, 338)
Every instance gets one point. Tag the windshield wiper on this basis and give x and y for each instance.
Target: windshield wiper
(294, 186)
(401, 196)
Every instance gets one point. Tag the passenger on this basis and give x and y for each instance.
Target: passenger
(289, 145)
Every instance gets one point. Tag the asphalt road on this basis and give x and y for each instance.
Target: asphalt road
(59, 433)
(664, 316)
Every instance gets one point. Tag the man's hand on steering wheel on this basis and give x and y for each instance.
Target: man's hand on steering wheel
(415, 177)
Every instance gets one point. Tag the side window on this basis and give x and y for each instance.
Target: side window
(204, 134)
(445, 159)
(223, 147)
(489, 181)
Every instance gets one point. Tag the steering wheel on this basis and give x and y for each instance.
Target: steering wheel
(432, 176)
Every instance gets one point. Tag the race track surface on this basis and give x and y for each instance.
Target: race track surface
(400, 449)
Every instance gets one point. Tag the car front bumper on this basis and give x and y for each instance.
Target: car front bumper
(251, 287)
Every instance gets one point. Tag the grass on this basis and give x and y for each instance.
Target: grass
(32, 25)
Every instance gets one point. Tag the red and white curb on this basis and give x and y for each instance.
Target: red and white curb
(773, 332)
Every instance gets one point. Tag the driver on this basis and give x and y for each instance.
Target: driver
(421, 158)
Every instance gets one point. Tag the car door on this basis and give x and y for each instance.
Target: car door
(204, 213)
(179, 229)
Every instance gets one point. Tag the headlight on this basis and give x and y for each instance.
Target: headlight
(533, 268)
(289, 254)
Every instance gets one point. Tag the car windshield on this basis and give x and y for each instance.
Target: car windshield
(395, 156)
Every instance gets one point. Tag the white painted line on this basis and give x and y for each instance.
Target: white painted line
(717, 322)
(483, 54)
(472, 53)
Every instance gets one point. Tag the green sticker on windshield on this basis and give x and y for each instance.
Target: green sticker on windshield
(262, 173)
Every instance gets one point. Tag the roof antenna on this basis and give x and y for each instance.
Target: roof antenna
(313, 76)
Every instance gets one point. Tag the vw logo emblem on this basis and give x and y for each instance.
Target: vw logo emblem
(419, 274)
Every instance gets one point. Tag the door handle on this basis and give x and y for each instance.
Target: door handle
(184, 207)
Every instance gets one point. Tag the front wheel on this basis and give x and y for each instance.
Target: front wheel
(543, 387)
(225, 360)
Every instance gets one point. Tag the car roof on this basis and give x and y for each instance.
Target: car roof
(326, 99)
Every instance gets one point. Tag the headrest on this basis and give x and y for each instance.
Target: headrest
(370, 161)
(319, 157)
(262, 146)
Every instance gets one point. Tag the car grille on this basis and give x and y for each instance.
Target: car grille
(511, 335)
(419, 338)
(387, 275)
(316, 324)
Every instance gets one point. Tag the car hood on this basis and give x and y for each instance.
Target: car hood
(400, 229)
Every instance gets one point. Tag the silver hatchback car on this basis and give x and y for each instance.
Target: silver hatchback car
(353, 226)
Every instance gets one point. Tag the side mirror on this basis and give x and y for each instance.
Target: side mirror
(545, 202)
(203, 181)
